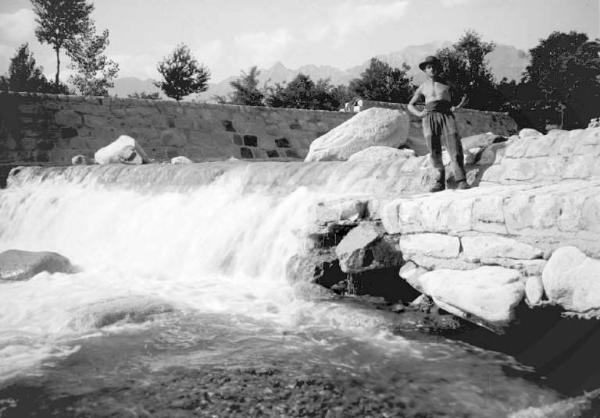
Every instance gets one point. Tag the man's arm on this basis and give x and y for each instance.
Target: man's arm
(454, 93)
(411, 104)
(462, 102)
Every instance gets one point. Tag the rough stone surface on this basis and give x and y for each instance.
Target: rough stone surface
(379, 153)
(572, 280)
(432, 245)
(124, 150)
(375, 126)
(564, 213)
(479, 247)
(535, 158)
(489, 294)
(18, 265)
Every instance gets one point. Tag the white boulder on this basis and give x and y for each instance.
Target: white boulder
(181, 160)
(374, 126)
(572, 280)
(124, 150)
(486, 296)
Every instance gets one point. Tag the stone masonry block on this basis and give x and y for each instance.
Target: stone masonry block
(480, 247)
(430, 244)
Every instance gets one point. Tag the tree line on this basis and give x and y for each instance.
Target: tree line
(559, 87)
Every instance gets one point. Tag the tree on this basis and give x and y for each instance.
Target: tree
(465, 66)
(95, 72)
(182, 74)
(246, 91)
(60, 21)
(23, 74)
(144, 95)
(382, 82)
(303, 93)
(565, 72)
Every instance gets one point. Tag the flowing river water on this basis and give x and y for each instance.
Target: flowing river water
(180, 306)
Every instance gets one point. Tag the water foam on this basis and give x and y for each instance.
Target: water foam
(212, 248)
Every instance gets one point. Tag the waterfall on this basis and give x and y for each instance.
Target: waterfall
(211, 238)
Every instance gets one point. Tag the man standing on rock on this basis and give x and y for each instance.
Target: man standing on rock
(439, 125)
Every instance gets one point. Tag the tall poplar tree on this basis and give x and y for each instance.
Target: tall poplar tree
(59, 21)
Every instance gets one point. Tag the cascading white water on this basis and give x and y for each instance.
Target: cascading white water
(213, 248)
(205, 248)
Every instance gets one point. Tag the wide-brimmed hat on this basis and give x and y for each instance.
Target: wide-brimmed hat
(430, 60)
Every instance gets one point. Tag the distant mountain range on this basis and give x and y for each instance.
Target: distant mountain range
(505, 61)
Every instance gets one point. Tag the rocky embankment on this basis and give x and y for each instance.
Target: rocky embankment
(527, 237)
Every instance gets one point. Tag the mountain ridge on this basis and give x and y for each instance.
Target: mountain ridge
(505, 61)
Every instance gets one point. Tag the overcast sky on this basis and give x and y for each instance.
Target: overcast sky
(231, 35)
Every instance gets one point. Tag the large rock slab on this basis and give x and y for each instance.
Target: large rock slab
(374, 126)
(572, 280)
(124, 150)
(487, 295)
(18, 265)
(364, 248)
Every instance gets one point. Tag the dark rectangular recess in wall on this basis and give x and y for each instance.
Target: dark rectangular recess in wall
(251, 140)
(246, 152)
(282, 142)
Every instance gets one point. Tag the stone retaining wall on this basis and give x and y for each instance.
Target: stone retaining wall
(39, 128)
(51, 129)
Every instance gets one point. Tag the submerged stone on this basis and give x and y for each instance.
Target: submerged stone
(18, 265)
(130, 309)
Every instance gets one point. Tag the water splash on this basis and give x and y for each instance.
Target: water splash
(218, 246)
